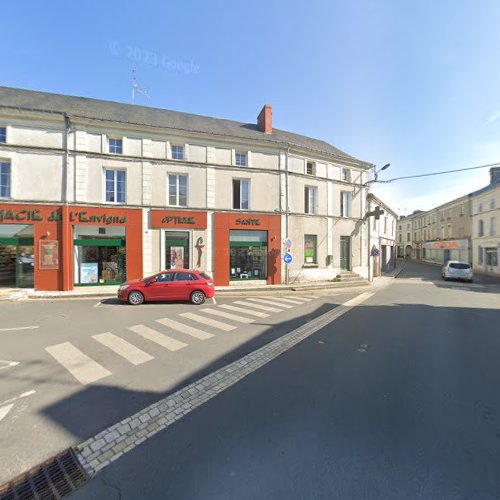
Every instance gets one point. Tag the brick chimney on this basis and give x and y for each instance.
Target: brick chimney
(265, 119)
(494, 175)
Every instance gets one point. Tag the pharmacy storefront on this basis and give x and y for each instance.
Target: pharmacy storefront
(247, 248)
(53, 247)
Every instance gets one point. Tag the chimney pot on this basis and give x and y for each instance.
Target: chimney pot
(265, 119)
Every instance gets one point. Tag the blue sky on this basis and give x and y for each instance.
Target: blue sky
(416, 84)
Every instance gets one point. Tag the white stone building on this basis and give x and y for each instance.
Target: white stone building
(95, 192)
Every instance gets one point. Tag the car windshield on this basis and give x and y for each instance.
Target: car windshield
(458, 265)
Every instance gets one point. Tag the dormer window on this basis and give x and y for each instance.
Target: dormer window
(310, 168)
(116, 146)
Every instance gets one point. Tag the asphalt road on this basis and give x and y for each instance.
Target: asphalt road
(71, 368)
(398, 398)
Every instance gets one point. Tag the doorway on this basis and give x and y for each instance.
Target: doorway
(17, 256)
(345, 253)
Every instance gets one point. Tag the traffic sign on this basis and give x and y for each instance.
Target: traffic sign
(288, 242)
(287, 258)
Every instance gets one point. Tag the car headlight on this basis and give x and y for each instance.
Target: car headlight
(123, 287)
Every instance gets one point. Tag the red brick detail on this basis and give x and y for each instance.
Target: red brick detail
(265, 119)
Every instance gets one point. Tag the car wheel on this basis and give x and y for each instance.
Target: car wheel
(197, 298)
(135, 298)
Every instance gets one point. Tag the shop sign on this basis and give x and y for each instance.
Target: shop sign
(56, 215)
(48, 255)
(190, 220)
(447, 245)
(248, 222)
(177, 220)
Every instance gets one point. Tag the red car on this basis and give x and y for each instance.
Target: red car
(194, 286)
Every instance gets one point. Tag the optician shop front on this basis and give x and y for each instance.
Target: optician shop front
(53, 247)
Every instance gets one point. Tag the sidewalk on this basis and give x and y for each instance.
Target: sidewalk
(110, 291)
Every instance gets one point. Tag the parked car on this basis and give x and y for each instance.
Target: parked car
(194, 286)
(457, 270)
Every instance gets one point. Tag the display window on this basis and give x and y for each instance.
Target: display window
(248, 255)
(177, 245)
(17, 256)
(100, 259)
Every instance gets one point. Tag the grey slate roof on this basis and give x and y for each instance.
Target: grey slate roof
(110, 111)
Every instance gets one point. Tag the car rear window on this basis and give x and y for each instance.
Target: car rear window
(205, 276)
(460, 266)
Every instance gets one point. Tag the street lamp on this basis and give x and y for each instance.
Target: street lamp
(376, 172)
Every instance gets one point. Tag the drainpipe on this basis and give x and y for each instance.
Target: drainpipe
(287, 274)
(66, 234)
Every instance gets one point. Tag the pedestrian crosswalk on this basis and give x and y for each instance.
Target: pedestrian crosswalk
(169, 335)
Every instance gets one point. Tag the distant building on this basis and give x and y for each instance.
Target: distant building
(382, 247)
(485, 212)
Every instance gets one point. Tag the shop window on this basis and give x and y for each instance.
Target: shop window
(4, 180)
(99, 260)
(115, 185)
(345, 203)
(241, 159)
(310, 249)
(178, 152)
(310, 199)
(177, 250)
(116, 146)
(3, 135)
(241, 194)
(17, 256)
(177, 190)
(248, 255)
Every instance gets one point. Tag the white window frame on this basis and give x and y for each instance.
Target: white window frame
(345, 213)
(177, 175)
(313, 163)
(241, 153)
(345, 174)
(9, 163)
(183, 146)
(115, 139)
(310, 189)
(112, 169)
(492, 226)
(232, 193)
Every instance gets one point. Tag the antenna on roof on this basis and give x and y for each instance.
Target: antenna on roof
(136, 88)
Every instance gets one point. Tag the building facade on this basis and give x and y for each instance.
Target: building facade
(97, 192)
(485, 218)
(382, 247)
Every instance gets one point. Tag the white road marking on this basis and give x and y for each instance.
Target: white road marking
(83, 368)
(157, 337)
(4, 410)
(208, 321)
(123, 348)
(98, 304)
(245, 311)
(21, 396)
(295, 302)
(214, 301)
(188, 330)
(233, 317)
(304, 299)
(357, 300)
(7, 364)
(270, 301)
(258, 306)
(11, 329)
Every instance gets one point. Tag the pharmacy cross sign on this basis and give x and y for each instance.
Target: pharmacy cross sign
(377, 213)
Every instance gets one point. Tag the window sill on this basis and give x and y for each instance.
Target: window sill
(310, 265)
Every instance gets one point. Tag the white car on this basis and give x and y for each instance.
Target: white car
(456, 270)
